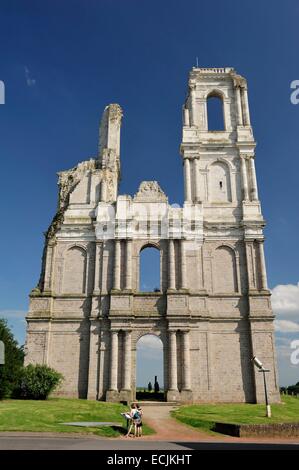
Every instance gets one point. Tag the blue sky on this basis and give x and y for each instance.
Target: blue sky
(62, 62)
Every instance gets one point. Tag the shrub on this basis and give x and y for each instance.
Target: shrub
(38, 381)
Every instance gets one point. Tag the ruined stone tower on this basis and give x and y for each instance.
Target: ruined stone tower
(212, 311)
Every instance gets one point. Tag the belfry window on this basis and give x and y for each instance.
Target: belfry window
(215, 113)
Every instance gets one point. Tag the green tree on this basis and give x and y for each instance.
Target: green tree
(14, 358)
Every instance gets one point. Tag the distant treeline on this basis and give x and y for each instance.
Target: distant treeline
(291, 389)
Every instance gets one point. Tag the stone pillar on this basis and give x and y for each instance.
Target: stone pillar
(193, 106)
(196, 179)
(103, 190)
(93, 386)
(226, 115)
(186, 361)
(186, 117)
(244, 178)
(116, 280)
(249, 264)
(129, 265)
(89, 273)
(254, 191)
(245, 106)
(200, 263)
(239, 107)
(127, 361)
(262, 263)
(97, 266)
(113, 360)
(183, 265)
(172, 361)
(187, 180)
(48, 267)
(171, 265)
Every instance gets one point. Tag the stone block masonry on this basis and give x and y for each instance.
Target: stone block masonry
(212, 310)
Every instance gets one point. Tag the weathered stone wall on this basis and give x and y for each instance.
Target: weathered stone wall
(213, 310)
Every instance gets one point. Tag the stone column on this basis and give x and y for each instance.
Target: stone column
(129, 265)
(93, 385)
(186, 361)
(186, 117)
(249, 264)
(196, 179)
(239, 107)
(226, 115)
(183, 265)
(113, 359)
(116, 280)
(200, 263)
(244, 178)
(193, 106)
(127, 361)
(103, 190)
(187, 180)
(254, 191)
(172, 361)
(89, 273)
(48, 267)
(263, 271)
(97, 266)
(171, 265)
(245, 106)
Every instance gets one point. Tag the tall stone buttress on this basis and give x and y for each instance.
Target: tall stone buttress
(212, 311)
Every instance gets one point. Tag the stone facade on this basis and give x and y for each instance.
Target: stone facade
(213, 310)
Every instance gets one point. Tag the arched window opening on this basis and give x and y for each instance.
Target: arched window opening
(220, 183)
(215, 113)
(150, 368)
(224, 270)
(74, 276)
(149, 279)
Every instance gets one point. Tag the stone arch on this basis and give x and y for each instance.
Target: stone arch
(74, 270)
(149, 244)
(215, 110)
(74, 245)
(230, 164)
(225, 277)
(151, 331)
(149, 276)
(219, 175)
(215, 92)
(150, 358)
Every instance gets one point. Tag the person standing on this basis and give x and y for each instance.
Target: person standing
(138, 423)
(130, 417)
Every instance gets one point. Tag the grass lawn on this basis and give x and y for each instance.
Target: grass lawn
(205, 415)
(46, 416)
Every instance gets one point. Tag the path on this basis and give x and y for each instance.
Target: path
(169, 429)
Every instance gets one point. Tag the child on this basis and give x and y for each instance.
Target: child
(138, 422)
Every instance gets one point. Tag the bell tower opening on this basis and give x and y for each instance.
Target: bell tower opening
(215, 112)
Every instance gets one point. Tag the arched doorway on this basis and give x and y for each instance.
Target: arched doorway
(149, 368)
(149, 269)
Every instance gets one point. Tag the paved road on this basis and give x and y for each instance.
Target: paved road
(15, 441)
